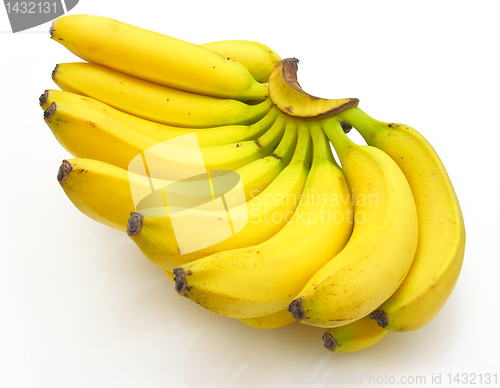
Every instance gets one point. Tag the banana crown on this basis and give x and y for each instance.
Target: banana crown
(286, 93)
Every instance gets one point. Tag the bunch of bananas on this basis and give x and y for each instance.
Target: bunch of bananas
(222, 170)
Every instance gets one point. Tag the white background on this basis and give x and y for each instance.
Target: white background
(81, 307)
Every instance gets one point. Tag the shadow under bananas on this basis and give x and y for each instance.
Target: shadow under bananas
(217, 351)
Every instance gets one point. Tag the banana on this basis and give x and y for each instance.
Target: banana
(262, 217)
(355, 336)
(255, 176)
(100, 190)
(441, 242)
(382, 246)
(152, 101)
(113, 120)
(181, 158)
(263, 279)
(104, 192)
(155, 57)
(271, 321)
(258, 58)
(90, 133)
(259, 174)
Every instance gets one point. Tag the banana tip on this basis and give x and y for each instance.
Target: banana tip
(64, 171)
(381, 317)
(296, 309)
(330, 342)
(180, 280)
(43, 98)
(51, 30)
(53, 75)
(49, 112)
(134, 224)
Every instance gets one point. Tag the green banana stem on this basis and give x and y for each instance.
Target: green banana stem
(335, 132)
(321, 146)
(361, 121)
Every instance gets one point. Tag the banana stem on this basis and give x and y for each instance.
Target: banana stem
(321, 145)
(273, 135)
(337, 136)
(363, 123)
(288, 141)
(269, 118)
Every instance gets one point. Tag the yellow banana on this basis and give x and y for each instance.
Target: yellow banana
(263, 279)
(113, 120)
(255, 176)
(259, 174)
(155, 57)
(179, 158)
(153, 101)
(271, 321)
(258, 58)
(262, 216)
(86, 133)
(90, 133)
(441, 243)
(100, 190)
(355, 336)
(382, 246)
(104, 192)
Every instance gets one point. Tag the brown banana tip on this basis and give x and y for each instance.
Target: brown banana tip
(180, 280)
(134, 224)
(345, 127)
(296, 309)
(43, 97)
(381, 317)
(329, 342)
(51, 30)
(49, 112)
(53, 75)
(64, 171)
